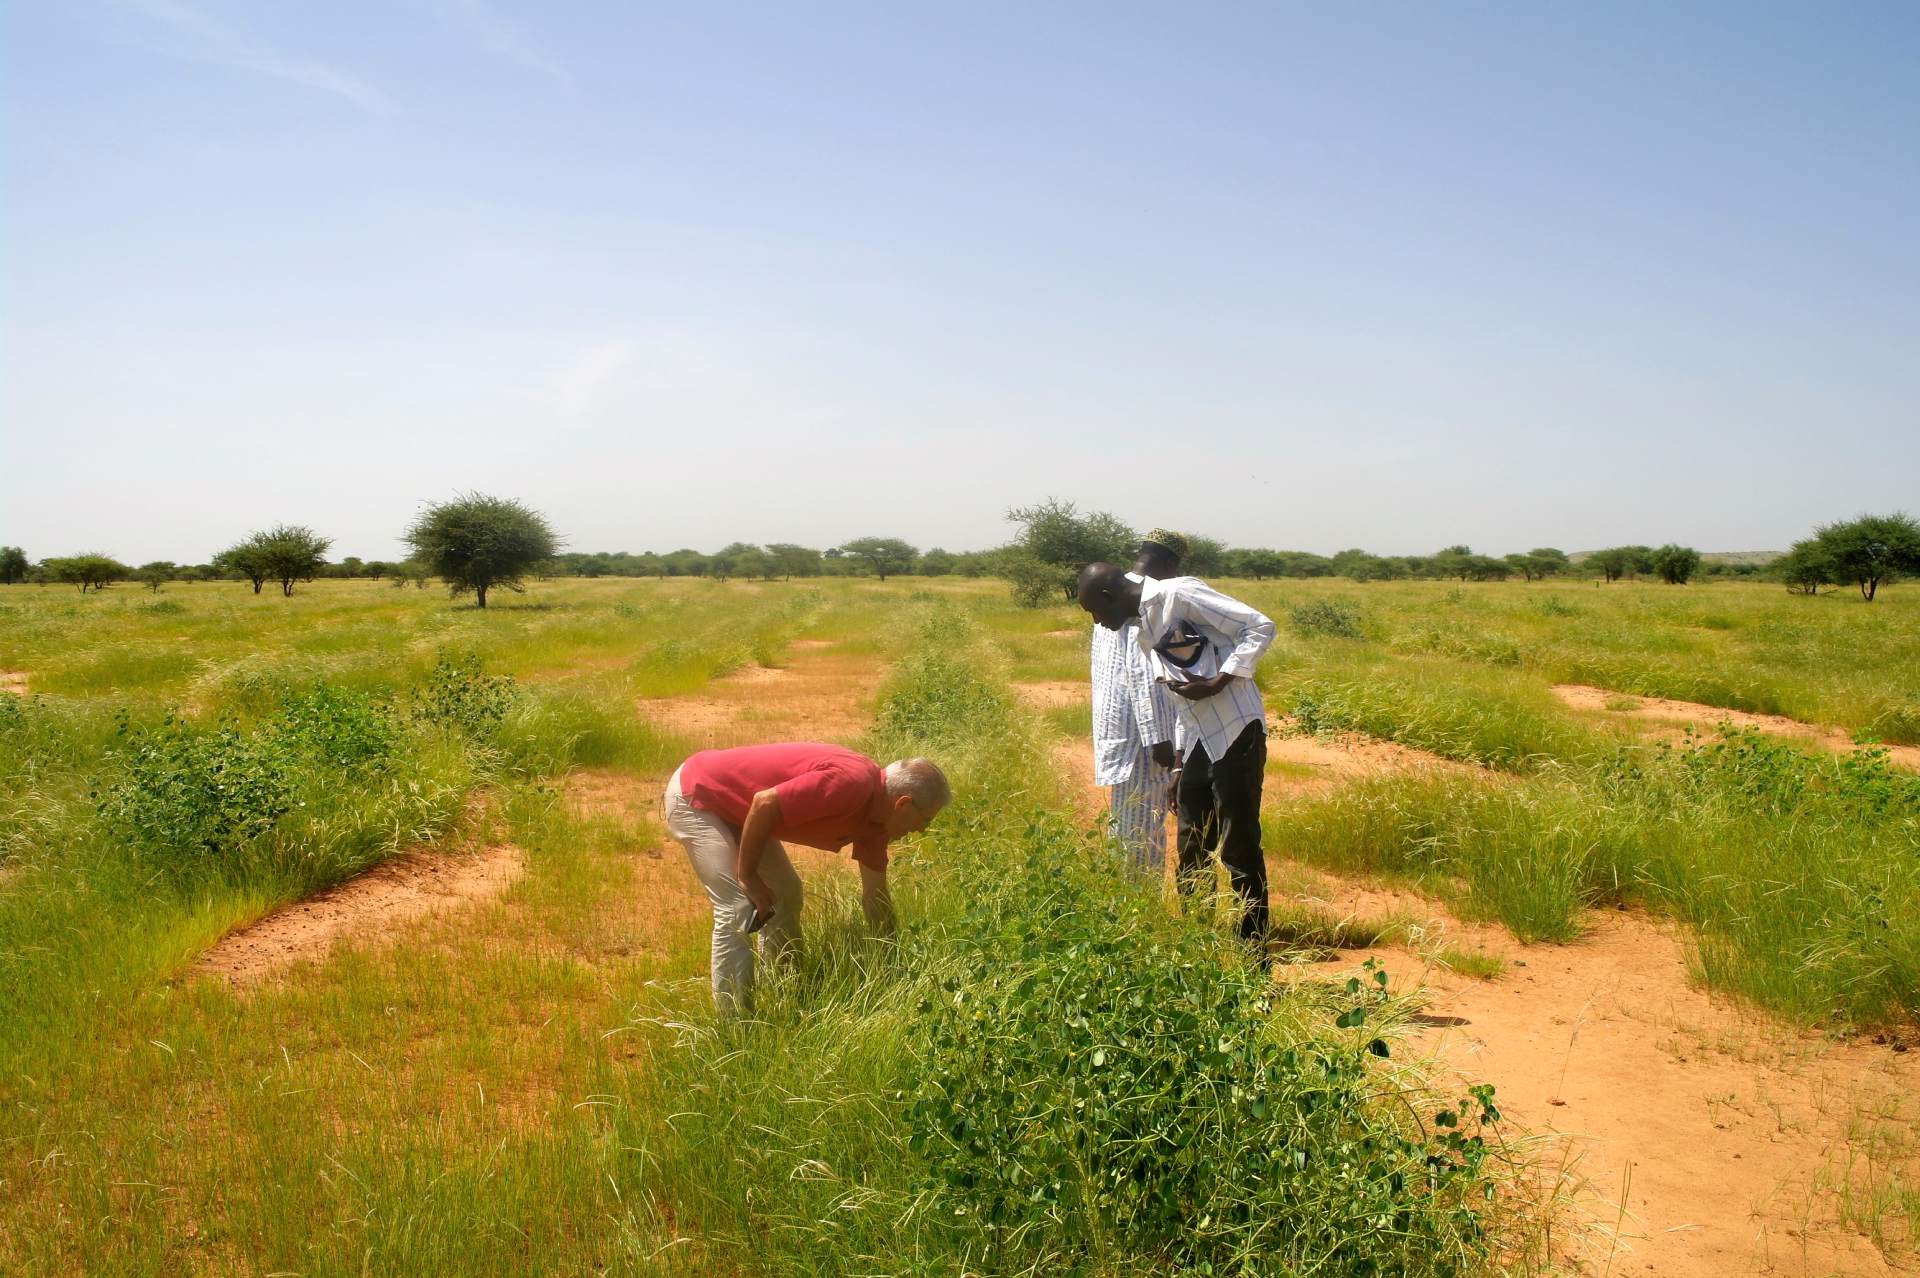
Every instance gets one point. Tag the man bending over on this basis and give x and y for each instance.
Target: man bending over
(730, 809)
(1204, 646)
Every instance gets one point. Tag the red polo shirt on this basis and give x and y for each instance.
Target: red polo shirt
(826, 793)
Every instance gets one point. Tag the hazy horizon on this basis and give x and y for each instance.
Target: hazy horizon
(1305, 278)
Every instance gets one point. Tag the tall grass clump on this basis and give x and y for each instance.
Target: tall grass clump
(1482, 716)
(1046, 1072)
(1799, 872)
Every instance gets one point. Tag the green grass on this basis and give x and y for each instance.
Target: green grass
(523, 1088)
(1796, 870)
(534, 1086)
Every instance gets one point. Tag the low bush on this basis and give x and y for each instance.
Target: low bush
(460, 695)
(1329, 618)
(330, 783)
(1095, 1081)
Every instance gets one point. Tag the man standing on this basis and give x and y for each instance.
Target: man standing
(1133, 723)
(730, 808)
(1204, 645)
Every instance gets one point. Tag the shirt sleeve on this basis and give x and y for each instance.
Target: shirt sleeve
(871, 851)
(1250, 629)
(819, 794)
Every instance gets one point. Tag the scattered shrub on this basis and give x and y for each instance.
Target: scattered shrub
(1095, 1074)
(459, 694)
(187, 794)
(1328, 617)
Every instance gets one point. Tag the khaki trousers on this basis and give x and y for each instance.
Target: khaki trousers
(713, 847)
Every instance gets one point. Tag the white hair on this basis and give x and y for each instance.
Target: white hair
(920, 780)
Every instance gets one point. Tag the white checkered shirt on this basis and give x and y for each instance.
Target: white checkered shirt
(1131, 713)
(1191, 631)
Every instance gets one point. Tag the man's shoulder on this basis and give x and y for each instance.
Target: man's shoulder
(1169, 587)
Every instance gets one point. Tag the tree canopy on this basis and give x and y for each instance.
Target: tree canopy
(1054, 542)
(883, 556)
(90, 571)
(1869, 551)
(476, 542)
(1676, 564)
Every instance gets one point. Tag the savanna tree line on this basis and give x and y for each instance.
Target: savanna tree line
(476, 543)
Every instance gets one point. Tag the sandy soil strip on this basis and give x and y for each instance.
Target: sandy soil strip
(14, 681)
(820, 697)
(1053, 694)
(374, 905)
(1716, 1126)
(1666, 710)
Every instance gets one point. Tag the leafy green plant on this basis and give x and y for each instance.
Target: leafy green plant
(461, 695)
(188, 794)
(1331, 618)
(1095, 1073)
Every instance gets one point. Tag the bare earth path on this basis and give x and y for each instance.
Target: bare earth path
(366, 908)
(1666, 710)
(1696, 1139)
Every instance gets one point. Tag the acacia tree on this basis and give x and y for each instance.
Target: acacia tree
(91, 571)
(13, 565)
(285, 553)
(156, 574)
(1871, 550)
(1614, 562)
(1256, 563)
(884, 556)
(1804, 568)
(1206, 556)
(246, 559)
(1054, 543)
(794, 561)
(290, 553)
(476, 542)
(1676, 564)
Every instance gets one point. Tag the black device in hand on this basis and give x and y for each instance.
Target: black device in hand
(756, 919)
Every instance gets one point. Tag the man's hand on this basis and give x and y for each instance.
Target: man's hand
(757, 892)
(763, 818)
(1163, 756)
(876, 901)
(1201, 689)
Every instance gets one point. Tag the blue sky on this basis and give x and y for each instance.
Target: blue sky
(1392, 276)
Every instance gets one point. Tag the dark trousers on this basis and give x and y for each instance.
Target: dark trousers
(1219, 803)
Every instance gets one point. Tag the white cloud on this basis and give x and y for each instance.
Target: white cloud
(208, 38)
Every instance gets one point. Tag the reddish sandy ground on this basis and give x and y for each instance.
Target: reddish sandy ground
(372, 906)
(1666, 710)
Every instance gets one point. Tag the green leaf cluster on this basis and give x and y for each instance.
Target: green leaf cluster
(1096, 1078)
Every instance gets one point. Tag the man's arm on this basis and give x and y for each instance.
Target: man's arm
(763, 818)
(876, 900)
(1250, 629)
